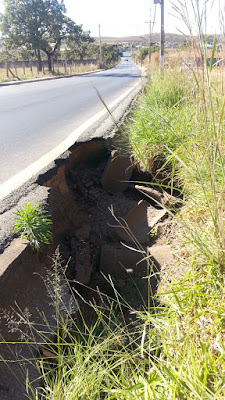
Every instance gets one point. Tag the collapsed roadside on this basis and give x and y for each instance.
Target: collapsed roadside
(175, 347)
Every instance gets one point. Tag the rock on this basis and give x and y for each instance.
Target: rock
(119, 261)
(117, 173)
(139, 222)
(164, 262)
(162, 255)
(164, 199)
(152, 193)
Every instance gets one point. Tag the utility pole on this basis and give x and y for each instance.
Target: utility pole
(162, 34)
(162, 46)
(149, 40)
(100, 47)
(205, 20)
(151, 27)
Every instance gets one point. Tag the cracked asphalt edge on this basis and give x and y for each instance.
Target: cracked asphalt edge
(32, 191)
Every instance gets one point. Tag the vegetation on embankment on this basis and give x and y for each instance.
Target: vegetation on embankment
(177, 133)
(175, 350)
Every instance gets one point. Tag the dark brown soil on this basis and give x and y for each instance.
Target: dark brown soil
(81, 207)
(102, 209)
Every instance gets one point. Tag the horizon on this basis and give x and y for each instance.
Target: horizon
(131, 19)
(125, 19)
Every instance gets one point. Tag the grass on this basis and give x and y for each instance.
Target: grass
(19, 72)
(155, 121)
(175, 349)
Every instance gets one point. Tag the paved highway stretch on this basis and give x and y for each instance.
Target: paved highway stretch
(37, 117)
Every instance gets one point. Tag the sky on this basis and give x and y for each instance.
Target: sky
(128, 17)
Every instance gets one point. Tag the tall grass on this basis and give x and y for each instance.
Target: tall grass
(171, 351)
(175, 349)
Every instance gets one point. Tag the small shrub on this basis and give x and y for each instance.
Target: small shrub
(34, 226)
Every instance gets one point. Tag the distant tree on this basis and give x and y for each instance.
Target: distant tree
(143, 52)
(23, 54)
(40, 25)
(5, 55)
(92, 50)
(77, 47)
(110, 53)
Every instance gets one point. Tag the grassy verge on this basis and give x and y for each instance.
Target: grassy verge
(176, 347)
(20, 75)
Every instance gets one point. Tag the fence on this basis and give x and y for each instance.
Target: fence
(191, 62)
(68, 65)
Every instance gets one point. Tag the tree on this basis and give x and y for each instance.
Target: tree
(78, 47)
(110, 53)
(92, 50)
(40, 25)
(143, 52)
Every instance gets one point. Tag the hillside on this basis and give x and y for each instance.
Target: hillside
(170, 37)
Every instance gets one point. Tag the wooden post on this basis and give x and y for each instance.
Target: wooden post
(23, 66)
(6, 69)
(43, 68)
(31, 67)
(100, 48)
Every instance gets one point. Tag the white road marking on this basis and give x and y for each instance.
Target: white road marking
(23, 176)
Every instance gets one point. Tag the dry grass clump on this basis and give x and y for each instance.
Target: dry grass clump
(19, 74)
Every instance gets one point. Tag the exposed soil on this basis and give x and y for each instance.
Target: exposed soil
(85, 217)
(88, 250)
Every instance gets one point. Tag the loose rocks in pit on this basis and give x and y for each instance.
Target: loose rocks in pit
(94, 246)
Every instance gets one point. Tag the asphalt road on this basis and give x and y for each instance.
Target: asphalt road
(37, 117)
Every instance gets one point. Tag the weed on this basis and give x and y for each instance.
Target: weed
(34, 225)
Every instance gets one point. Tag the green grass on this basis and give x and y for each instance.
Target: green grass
(172, 351)
(176, 349)
(161, 119)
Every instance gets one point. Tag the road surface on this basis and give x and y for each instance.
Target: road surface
(37, 117)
